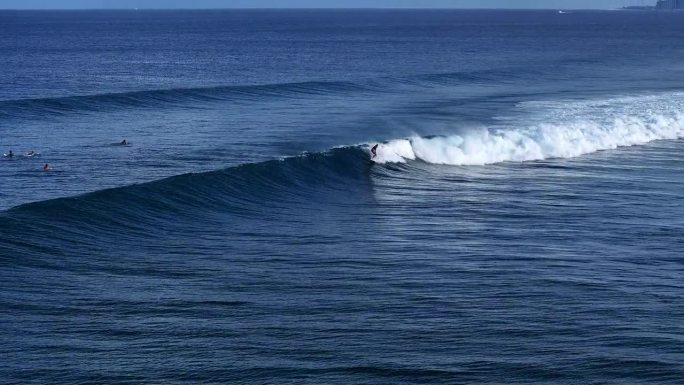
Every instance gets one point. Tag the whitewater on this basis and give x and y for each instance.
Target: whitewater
(559, 129)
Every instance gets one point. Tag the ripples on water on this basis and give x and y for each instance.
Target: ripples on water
(506, 234)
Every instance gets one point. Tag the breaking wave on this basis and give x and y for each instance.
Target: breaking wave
(297, 183)
(561, 130)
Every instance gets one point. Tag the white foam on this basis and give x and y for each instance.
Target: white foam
(550, 130)
(395, 151)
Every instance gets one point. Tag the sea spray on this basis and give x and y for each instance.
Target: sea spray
(558, 130)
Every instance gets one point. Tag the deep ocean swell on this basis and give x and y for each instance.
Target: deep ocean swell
(187, 97)
(199, 96)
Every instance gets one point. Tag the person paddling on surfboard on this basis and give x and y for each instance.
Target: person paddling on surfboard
(46, 167)
(374, 151)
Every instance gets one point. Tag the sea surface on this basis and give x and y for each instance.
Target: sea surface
(522, 222)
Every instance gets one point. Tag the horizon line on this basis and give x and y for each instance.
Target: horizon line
(310, 8)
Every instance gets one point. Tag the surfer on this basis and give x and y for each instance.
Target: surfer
(374, 151)
(123, 142)
(31, 153)
(46, 167)
(10, 154)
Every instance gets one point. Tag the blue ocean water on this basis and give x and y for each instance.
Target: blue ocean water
(521, 223)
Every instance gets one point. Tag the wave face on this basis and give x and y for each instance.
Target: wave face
(241, 191)
(560, 130)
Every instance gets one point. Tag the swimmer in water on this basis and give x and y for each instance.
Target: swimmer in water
(46, 167)
(123, 142)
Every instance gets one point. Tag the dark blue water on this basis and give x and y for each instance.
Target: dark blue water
(521, 223)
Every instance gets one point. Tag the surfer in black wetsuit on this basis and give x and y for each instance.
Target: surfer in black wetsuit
(374, 151)
(11, 154)
(123, 142)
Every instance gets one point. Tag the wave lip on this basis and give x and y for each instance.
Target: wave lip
(562, 131)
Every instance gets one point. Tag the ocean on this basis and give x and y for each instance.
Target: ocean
(521, 223)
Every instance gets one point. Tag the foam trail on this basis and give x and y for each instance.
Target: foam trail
(561, 130)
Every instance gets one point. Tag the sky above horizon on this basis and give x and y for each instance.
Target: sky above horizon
(174, 4)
